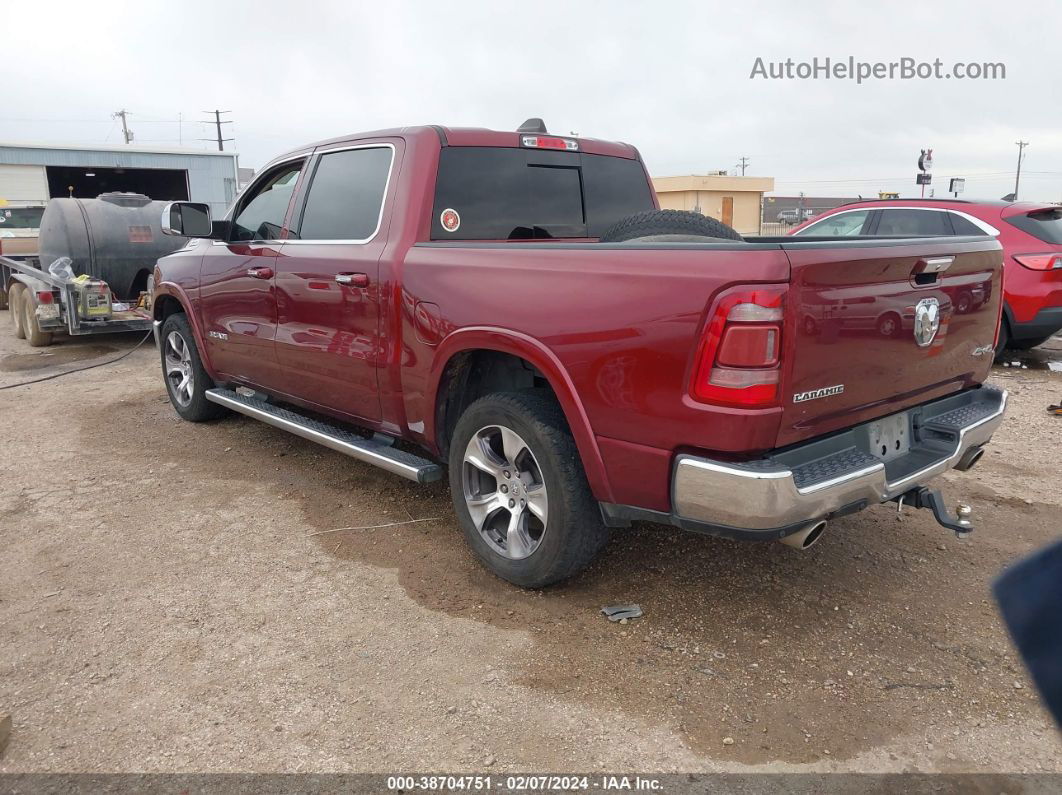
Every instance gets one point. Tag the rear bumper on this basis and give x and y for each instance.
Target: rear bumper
(784, 491)
(1045, 323)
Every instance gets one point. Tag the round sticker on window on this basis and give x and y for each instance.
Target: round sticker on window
(450, 220)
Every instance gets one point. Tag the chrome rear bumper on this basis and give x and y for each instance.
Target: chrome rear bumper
(835, 475)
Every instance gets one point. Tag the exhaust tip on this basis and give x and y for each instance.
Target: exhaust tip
(806, 537)
(970, 459)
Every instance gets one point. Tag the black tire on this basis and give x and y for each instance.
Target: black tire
(31, 328)
(573, 532)
(191, 403)
(15, 307)
(653, 223)
(1025, 345)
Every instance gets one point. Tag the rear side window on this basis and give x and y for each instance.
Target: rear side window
(523, 194)
(1045, 225)
(912, 223)
(345, 197)
(963, 226)
(847, 224)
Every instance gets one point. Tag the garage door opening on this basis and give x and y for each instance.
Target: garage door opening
(88, 182)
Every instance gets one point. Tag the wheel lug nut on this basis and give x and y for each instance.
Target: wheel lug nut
(512, 503)
(506, 473)
(505, 489)
(523, 503)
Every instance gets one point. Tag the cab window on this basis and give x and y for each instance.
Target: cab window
(261, 213)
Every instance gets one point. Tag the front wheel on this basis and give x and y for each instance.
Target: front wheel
(520, 492)
(186, 379)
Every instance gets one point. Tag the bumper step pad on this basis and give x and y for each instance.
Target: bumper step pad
(371, 450)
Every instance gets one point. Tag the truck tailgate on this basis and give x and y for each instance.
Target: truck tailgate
(859, 320)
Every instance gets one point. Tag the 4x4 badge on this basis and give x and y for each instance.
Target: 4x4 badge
(926, 321)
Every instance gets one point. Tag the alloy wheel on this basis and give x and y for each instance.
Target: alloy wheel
(505, 492)
(179, 368)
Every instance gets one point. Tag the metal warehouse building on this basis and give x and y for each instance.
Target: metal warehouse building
(33, 173)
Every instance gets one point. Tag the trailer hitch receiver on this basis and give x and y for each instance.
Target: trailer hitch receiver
(924, 497)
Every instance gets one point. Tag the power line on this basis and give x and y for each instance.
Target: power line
(218, 122)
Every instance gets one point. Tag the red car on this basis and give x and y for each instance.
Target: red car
(1030, 233)
(513, 305)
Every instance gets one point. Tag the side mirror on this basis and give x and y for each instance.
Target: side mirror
(186, 219)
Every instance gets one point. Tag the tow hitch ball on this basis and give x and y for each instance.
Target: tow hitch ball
(931, 498)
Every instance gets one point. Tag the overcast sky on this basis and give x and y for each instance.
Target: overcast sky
(671, 78)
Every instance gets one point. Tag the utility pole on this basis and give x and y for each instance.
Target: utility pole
(1017, 176)
(126, 132)
(742, 165)
(217, 123)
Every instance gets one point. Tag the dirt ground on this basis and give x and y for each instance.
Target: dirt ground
(172, 598)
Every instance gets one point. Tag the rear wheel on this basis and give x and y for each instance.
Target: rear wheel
(186, 379)
(520, 492)
(30, 327)
(889, 324)
(15, 307)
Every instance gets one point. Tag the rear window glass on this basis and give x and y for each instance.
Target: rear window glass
(21, 217)
(1045, 225)
(523, 194)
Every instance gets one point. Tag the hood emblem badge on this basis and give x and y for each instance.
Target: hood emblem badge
(926, 321)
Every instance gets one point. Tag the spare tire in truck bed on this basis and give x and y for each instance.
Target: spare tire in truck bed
(654, 223)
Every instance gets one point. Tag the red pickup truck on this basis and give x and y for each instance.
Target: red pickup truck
(514, 306)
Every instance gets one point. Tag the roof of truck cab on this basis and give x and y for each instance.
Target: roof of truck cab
(468, 136)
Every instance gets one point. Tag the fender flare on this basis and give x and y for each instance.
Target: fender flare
(545, 360)
(176, 292)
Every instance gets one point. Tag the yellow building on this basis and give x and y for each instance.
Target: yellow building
(733, 200)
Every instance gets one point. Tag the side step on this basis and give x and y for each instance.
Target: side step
(371, 451)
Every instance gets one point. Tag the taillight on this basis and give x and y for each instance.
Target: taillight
(44, 297)
(1039, 262)
(739, 360)
(549, 142)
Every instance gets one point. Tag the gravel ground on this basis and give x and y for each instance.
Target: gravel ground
(165, 606)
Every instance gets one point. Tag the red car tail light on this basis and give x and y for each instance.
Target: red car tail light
(44, 297)
(1039, 262)
(739, 360)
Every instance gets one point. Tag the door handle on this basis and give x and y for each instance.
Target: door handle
(353, 279)
(260, 273)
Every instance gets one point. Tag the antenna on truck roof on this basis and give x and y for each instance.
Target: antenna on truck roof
(533, 126)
